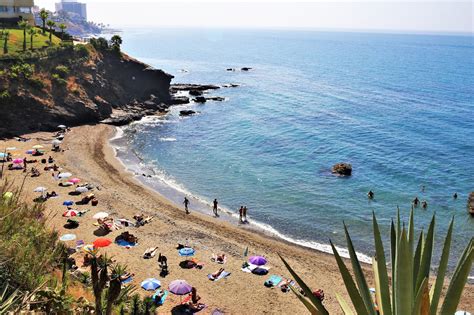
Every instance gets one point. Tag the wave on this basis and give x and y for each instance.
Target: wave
(160, 176)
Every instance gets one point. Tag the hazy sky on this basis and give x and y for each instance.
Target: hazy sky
(402, 15)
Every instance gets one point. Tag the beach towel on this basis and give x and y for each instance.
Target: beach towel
(129, 279)
(273, 281)
(202, 306)
(123, 243)
(163, 298)
(224, 274)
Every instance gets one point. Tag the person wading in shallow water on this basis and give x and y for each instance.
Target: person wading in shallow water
(214, 208)
(245, 214)
(186, 204)
(370, 194)
(241, 214)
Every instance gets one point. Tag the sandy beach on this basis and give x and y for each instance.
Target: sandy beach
(88, 156)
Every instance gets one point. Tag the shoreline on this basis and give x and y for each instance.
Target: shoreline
(89, 156)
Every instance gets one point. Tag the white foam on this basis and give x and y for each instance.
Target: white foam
(118, 134)
(167, 139)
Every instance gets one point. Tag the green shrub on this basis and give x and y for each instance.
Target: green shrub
(4, 95)
(58, 80)
(21, 70)
(37, 83)
(61, 71)
(81, 51)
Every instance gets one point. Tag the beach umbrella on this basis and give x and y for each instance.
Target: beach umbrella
(186, 251)
(18, 161)
(67, 237)
(3, 155)
(68, 203)
(56, 142)
(38, 146)
(150, 284)
(89, 249)
(70, 213)
(100, 215)
(179, 287)
(74, 180)
(102, 242)
(64, 175)
(62, 127)
(82, 189)
(258, 260)
(40, 189)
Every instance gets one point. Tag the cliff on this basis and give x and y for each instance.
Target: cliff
(78, 85)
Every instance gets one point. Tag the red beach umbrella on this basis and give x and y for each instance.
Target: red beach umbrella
(70, 213)
(102, 242)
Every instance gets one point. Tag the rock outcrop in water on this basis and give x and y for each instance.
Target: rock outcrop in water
(186, 112)
(343, 169)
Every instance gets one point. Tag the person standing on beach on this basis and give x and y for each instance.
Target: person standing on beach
(245, 214)
(186, 204)
(241, 213)
(214, 208)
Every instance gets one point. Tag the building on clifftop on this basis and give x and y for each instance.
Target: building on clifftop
(73, 7)
(12, 11)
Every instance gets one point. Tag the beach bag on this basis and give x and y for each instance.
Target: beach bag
(95, 202)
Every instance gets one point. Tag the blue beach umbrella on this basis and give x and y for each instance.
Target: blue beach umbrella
(2, 155)
(150, 284)
(68, 203)
(186, 252)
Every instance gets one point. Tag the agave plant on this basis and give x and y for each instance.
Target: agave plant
(8, 299)
(409, 292)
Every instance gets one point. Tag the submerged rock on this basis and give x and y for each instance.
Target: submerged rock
(344, 169)
(246, 69)
(192, 87)
(215, 98)
(186, 112)
(177, 100)
(200, 99)
(195, 93)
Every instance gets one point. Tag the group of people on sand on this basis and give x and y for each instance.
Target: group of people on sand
(215, 203)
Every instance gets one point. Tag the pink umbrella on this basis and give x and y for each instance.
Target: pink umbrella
(180, 287)
(74, 180)
(258, 260)
(18, 161)
(70, 213)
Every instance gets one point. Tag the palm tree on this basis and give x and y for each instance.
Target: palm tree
(24, 25)
(44, 16)
(33, 32)
(51, 25)
(410, 291)
(62, 27)
(6, 37)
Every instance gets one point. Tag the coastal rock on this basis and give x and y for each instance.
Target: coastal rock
(246, 69)
(186, 112)
(200, 99)
(122, 120)
(192, 87)
(195, 93)
(230, 69)
(344, 169)
(230, 85)
(178, 100)
(215, 98)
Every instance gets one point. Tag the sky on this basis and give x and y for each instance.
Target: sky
(369, 15)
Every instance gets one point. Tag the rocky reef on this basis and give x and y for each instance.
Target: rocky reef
(342, 169)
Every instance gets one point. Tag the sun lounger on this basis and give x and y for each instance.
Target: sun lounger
(224, 274)
(273, 281)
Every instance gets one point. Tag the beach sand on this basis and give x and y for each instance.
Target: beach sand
(88, 156)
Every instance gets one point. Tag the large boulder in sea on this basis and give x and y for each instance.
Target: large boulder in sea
(200, 99)
(344, 169)
(187, 112)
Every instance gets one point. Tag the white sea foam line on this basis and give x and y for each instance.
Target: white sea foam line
(118, 134)
(170, 139)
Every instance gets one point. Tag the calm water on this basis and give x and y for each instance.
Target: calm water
(400, 108)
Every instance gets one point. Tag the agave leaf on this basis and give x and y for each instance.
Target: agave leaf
(420, 296)
(306, 302)
(345, 307)
(393, 251)
(456, 286)
(411, 232)
(351, 287)
(378, 299)
(427, 252)
(359, 275)
(307, 291)
(416, 258)
(443, 263)
(380, 272)
(404, 275)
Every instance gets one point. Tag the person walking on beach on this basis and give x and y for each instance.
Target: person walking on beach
(245, 214)
(186, 204)
(214, 208)
(241, 213)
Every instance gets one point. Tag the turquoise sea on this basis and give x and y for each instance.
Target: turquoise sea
(399, 108)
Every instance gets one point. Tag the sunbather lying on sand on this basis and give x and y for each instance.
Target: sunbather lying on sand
(217, 274)
(220, 259)
(285, 286)
(150, 252)
(126, 276)
(196, 307)
(141, 220)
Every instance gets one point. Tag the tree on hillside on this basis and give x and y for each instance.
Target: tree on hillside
(51, 25)
(44, 16)
(116, 41)
(33, 32)
(62, 27)
(6, 37)
(24, 25)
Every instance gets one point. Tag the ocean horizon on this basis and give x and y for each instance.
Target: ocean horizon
(395, 106)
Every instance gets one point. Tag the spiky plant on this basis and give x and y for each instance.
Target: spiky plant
(409, 292)
(8, 298)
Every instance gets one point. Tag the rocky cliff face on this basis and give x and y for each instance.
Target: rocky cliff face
(78, 87)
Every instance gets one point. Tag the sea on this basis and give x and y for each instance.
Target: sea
(398, 107)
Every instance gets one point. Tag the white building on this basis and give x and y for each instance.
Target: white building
(12, 11)
(73, 7)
